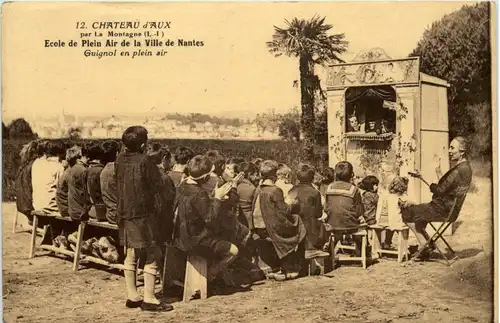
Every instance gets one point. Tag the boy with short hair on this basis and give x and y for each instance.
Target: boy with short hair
(284, 177)
(219, 162)
(275, 219)
(197, 228)
(110, 150)
(138, 182)
(78, 196)
(344, 205)
(246, 191)
(311, 209)
(98, 208)
(45, 173)
(182, 156)
(232, 228)
(72, 155)
(168, 193)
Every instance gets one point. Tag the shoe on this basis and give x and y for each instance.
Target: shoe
(61, 242)
(133, 304)
(273, 272)
(424, 255)
(107, 250)
(286, 276)
(162, 307)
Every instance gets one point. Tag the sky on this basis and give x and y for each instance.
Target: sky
(233, 74)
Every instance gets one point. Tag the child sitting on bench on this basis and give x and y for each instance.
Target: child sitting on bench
(198, 218)
(279, 222)
(344, 205)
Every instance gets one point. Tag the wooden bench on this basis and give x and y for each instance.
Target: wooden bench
(195, 279)
(77, 254)
(316, 262)
(402, 245)
(334, 247)
(194, 269)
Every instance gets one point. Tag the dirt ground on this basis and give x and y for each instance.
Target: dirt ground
(44, 289)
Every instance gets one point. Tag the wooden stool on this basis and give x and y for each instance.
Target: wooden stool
(402, 246)
(195, 278)
(174, 268)
(334, 246)
(316, 261)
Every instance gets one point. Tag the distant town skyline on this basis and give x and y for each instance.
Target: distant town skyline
(233, 75)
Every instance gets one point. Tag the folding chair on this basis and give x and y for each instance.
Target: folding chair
(438, 234)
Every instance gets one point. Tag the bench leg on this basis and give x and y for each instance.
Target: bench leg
(78, 248)
(406, 253)
(400, 246)
(333, 250)
(14, 226)
(363, 251)
(314, 264)
(321, 264)
(195, 278)
(33, 238)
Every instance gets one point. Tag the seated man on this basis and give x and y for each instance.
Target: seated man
(452, 184)
(197, 218)
(344, 206)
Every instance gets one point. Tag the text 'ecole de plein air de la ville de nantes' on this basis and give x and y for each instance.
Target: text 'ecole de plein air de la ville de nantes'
(109, 35)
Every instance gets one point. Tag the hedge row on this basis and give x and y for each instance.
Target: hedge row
(281, 151)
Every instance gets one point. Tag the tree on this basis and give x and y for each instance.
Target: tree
(21, 129)
(289, 125)
(75, 133)
(457, 49)
(5, 131)
(308, 41)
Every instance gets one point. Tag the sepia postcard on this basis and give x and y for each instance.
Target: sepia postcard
(249, 161)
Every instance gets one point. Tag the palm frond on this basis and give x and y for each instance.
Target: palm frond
(308, 38)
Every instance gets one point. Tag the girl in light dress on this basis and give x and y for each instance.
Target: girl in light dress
(397, 196)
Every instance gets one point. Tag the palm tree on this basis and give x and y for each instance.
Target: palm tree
(308, 41)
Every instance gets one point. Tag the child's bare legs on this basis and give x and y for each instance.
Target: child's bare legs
(388, 239)
(130, 267)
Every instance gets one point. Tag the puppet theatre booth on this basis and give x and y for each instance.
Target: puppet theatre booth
(387, 118)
